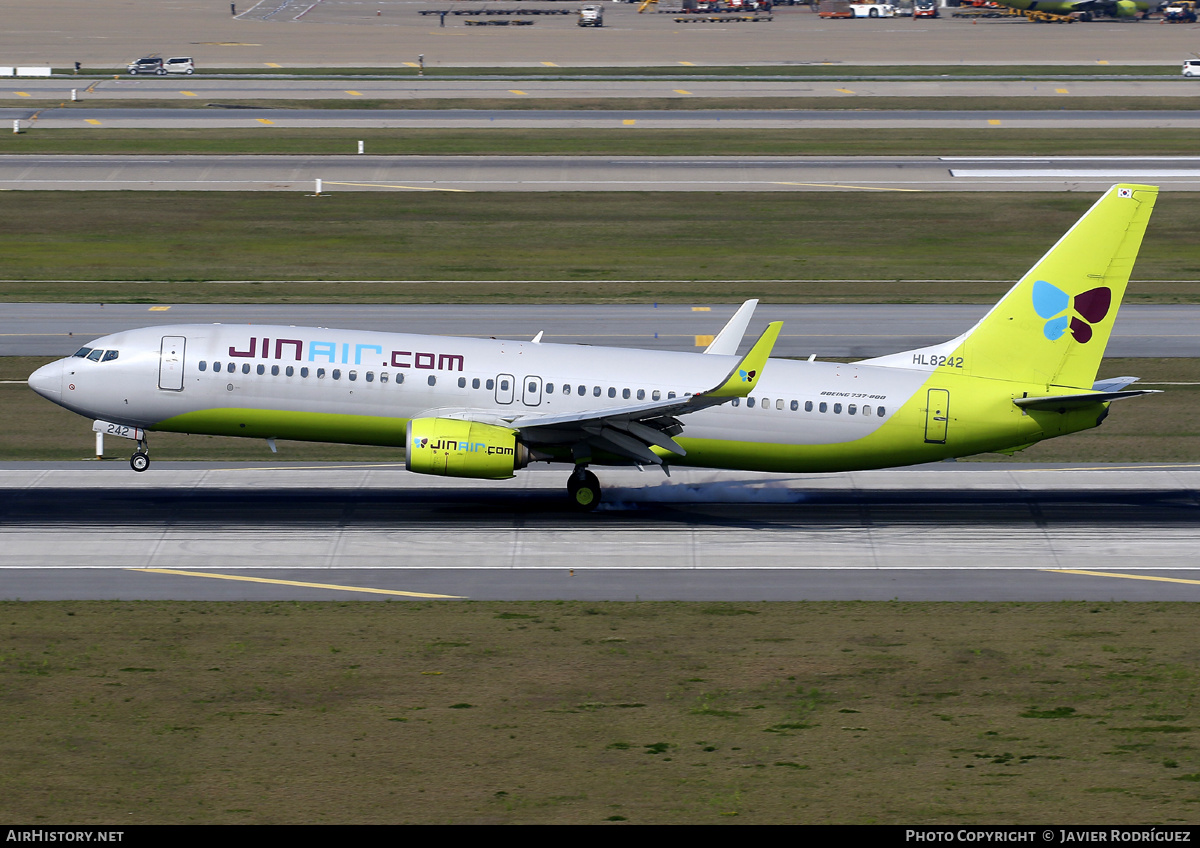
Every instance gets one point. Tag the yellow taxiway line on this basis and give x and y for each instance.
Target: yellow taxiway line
(292, 583)
(861, 188)
(410, 188)
(1126, 576)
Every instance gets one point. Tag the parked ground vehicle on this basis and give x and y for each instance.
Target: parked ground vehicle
(1180, 12)
(592, 16)
(1191, 68)
(925, 9)
(180, 65)
(873, 10)
(149, 65)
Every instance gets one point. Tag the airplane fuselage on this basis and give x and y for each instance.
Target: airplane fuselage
(361, 387)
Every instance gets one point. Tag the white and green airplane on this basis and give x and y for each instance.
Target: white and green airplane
(485, 408)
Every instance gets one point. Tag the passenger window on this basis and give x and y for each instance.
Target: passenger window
(581, 391)
(400, 379)
(625, 393)
(670, 395)
(641, 394)
(824, 407)
(203, 365)
(795, 405)
(880, 411)
(808, 406)
(353, 375)
(383, 377)
(245, 367)
(596, 391)
(337, 373)
(612, 392)
(95, 355)
(657, 395)
(737, 401)
(462, 382)
(231, 367)
(566, 388)
(852, 409)
(432, 380)
(750, 403)
(262, 369)
(290, 371)
(531, 389)
(320, 373)
(549, 388)
(110, 355)
(837, 409)
(866, 410)
(370, 376)
(504, 385)
(779, 403)
(475, 383)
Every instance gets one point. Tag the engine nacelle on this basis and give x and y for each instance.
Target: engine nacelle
(452, 448)
(1126, 8)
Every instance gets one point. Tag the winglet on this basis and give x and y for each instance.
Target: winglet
(727, 341)
(744, 376)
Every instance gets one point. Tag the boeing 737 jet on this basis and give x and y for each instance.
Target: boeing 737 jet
(485, 408)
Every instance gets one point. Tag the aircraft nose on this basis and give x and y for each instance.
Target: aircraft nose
(47, 381)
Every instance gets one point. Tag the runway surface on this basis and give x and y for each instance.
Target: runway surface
(263, 119)
(952, 531)
(855, 83)
(59, 329)
(592, 173)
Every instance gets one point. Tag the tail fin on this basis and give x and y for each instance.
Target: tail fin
(1053, 325)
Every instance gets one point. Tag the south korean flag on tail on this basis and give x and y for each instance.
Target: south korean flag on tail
(1124, 192)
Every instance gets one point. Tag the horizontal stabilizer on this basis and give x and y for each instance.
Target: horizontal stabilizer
(1113, 384)
(1063, 403)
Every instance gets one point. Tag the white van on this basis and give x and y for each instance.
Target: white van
(180, 65)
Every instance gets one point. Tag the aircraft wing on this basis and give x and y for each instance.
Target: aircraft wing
(631, 430)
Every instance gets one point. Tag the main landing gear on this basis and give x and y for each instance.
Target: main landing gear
(140, 460)
(583, 489)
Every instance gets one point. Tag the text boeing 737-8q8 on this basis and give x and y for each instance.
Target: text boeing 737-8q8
(485, 408)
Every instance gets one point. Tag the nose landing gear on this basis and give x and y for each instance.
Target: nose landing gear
(140, 460)
(584, 489)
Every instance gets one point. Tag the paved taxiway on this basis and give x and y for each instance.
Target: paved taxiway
(59, 329)
(952, 531)
(592, 173)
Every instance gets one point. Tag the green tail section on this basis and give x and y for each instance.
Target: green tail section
(1052, 326)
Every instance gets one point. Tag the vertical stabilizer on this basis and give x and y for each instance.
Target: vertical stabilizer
(1053, 325)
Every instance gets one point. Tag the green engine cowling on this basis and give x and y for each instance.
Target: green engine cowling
(448, 447)
(1126, 8)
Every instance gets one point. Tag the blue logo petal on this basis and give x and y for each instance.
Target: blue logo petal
(1055, 328)
(1049, 300)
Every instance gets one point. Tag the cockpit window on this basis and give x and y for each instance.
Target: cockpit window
(83, 351)
(110, 355)
(95, 355)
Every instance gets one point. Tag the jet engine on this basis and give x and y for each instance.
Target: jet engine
(1126, 8)
(448, 447)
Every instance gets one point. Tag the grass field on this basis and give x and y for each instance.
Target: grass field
(1157, 428)
(843, 247)
(619, 141)
(584, 713)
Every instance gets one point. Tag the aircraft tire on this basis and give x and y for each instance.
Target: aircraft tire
(584, 490)
(139, 461)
